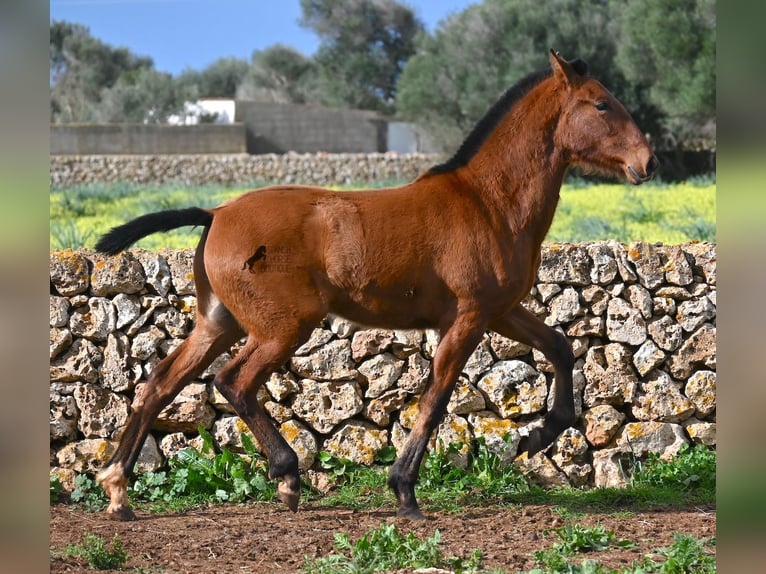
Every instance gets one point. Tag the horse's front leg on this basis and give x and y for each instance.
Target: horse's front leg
(457, 343)
(521, 325)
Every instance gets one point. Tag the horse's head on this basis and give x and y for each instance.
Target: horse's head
(596, 130)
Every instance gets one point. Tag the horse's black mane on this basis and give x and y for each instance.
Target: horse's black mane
(486, 125)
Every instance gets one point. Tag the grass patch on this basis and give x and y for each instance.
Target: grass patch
(386, 549)
(654, 212)
(99, 556)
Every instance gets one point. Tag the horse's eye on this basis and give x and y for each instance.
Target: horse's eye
(602, 106)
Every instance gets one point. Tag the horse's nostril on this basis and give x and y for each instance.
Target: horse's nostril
(652, 165)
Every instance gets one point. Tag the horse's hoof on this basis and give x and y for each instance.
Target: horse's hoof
(288, 496)
(410, 513)
(121, 514)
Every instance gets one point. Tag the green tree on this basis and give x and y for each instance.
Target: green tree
(278, 73)
(474, 56)
(364, 46)
(81, 66)
(219, 80)
(141, 96)
(667, 49)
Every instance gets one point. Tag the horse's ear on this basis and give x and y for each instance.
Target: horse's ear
(564, 71)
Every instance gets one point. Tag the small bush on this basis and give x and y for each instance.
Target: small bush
(94, 549)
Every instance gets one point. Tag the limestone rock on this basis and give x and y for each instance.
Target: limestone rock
(624, 324)
(94, 321)
(415, 375)
(69, 272)
(666, 332)
(704, 260)
(454, 430)
(640, 299)
(357, 441)
(648, 356)
(369, 342)
(625, 266)
(150, 457)
(564, 263)
(343, 328)
(609, 468)
(465, 399)
(678, 269)
(501, 436)
(479, 362)
(647, 263)
(597, 297)
(86, 456)
(505, 348)
(102, 412)
(172, 321)
(60, 341)
(514, 388)
(127, 309)
(601, 424)
(63, 417)
(564, 307)
(379, 409)
(588, 326)
(701, 390)
(541, 470)
(282, 385)
(322, 405)
(121, 273)
(604, 268)
(331, 362)
(118, 372)
(660, 399)
(318, 338)
(610, 378)
(547, 291)
(227, 432)
(700, 432)
(181, 264)
(693, 314)
(188, 411)
(381, 371)
(79, 363)
(699, 350)
(302, 441)
(59, 311)
(145, 342)
(643, 438)
(156, 271)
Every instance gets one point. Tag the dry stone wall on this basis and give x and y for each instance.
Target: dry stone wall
(641, 320)
(229, 169)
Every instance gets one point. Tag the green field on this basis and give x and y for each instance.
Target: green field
(655, 212)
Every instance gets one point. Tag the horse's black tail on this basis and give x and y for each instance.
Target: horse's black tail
(123, 236)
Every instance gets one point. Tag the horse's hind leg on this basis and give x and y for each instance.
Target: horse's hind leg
(186, 362)
(521, 325)
(239, 381)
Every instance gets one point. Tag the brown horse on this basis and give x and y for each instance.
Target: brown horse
(456, 250)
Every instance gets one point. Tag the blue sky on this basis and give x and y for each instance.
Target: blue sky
(181, 34)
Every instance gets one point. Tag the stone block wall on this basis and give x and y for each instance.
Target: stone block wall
(640, 317)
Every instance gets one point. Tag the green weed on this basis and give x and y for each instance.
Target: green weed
(386, 549)
(95, 551)
(196, 476)
(88, 494)
(692, 470)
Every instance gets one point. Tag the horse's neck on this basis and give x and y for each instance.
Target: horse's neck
(521, 185)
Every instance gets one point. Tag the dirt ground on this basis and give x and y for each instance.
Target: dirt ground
(263, 538)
